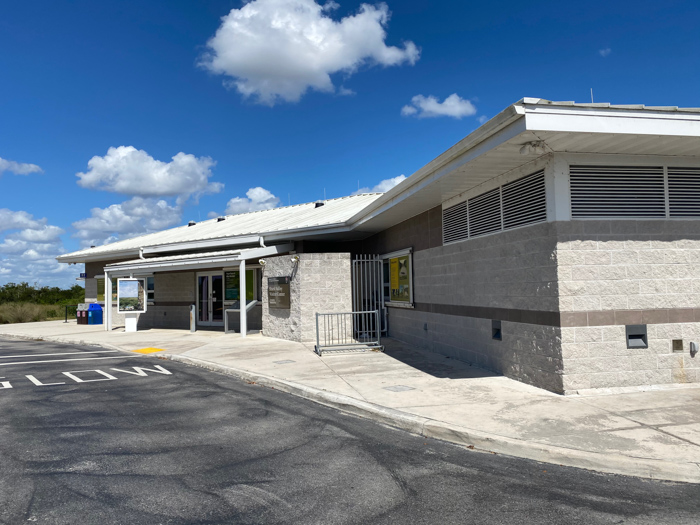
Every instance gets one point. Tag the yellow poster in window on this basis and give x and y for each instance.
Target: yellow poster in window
(400, 279)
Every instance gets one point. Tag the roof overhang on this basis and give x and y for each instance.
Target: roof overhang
(497, 148)
(194, 262)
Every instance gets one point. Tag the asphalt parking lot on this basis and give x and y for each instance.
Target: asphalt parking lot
(89, 435)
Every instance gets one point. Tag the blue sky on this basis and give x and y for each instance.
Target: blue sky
(289, 97)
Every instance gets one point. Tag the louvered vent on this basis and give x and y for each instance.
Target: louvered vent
(485, 213)
(454, 223)
(524, 201)
(617, 191)
(684, 192)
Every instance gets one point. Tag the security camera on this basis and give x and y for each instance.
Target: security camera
(262, 262)
(295, 258)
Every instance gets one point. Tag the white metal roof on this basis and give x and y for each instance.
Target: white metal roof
(282, 222)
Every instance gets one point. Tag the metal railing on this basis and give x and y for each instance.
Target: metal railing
(73, 307)
(348, 331)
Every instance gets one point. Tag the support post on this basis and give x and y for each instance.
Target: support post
(243, 302)
(108, 303)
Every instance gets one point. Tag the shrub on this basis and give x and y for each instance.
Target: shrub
(27, 313)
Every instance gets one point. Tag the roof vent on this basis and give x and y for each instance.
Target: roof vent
(219, 219)
(191, 223)
(92, 246)
(318, 204)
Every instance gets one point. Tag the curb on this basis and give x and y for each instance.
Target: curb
(471, 439)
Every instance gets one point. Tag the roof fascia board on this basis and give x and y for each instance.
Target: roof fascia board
(107, 256)
(194, 245)
(581, 120)
(204, 262)
(505, 134)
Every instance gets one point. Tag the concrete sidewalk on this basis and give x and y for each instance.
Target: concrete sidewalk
(654, 434)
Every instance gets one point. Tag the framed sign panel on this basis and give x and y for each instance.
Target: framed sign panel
(131, 296)
(278, 293)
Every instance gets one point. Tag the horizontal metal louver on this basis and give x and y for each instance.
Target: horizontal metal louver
(455, 223)
(485, 213)
(684, 192)
(617, 191)
(524, 201)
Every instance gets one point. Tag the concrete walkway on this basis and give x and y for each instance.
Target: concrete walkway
(654, 434)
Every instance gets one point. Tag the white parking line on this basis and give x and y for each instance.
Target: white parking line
(64, 360)
(63, 353)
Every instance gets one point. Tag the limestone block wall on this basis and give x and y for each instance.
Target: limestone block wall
(321, 282)
(617, 273)
(461, 287)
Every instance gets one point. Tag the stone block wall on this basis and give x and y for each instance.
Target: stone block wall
(617, 273)
(321, 282)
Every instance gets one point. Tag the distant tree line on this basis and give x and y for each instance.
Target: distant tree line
(23, 293)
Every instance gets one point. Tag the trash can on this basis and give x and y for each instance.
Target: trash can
(81, 313)
(94, 314)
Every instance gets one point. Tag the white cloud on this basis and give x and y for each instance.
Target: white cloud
(14, 220)
(383, 186)
(136, 216)
(29, 253)
(130, 171)
(427, 107)
(257, 199)
(278, 49)
(604, 52)
(483, 119)
(18, 168)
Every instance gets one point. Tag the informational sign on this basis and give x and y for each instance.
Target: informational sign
(83, 275)
(131, 296)
(232, 285)
(278, 293)
(400, 279)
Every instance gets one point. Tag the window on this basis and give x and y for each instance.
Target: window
(101, 290)
(151, 289)
(398, 278)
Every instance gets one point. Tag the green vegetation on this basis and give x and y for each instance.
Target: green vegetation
(21, 303)
(127, 304)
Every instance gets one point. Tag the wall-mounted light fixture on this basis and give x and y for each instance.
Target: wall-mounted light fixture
(295, 258)
(262, 262)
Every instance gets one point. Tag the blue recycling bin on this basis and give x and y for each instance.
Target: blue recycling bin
(94, 314)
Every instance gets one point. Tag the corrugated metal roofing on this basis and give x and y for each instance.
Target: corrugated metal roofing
(276, 220)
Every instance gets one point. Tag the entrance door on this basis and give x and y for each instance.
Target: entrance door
(210, 299)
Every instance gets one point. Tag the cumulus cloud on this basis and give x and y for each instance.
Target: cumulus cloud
(383, 186)
(28, 251)
(136, 216)
(278, 49)
(604, 52)
(257, 199)
(14, 220)
(18, 168)
(483, 119)
(129, 171)
(428, 107)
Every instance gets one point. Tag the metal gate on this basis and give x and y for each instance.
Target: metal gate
(368, 287)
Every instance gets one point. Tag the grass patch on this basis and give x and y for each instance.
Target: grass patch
(11, 313)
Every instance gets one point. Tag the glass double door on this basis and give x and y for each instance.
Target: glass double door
(210, 299)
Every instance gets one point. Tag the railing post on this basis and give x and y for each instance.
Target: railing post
(318, 342)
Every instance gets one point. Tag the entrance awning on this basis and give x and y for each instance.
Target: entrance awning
(194, 261)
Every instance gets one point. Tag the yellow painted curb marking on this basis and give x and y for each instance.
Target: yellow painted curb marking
(148, 350)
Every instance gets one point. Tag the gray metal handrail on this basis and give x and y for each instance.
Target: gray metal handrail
(343, 331)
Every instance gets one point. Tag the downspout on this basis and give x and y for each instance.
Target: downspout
(262, 242)
(141, 253)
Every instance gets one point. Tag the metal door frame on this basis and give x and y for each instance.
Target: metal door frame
(210, 313)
